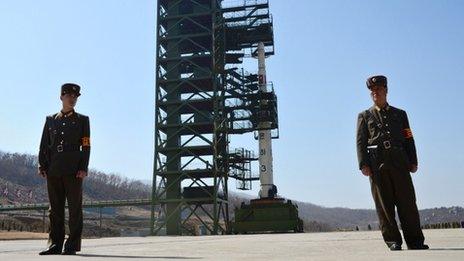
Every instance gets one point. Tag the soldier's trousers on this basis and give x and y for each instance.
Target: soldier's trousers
(392, 186)
(60, 189)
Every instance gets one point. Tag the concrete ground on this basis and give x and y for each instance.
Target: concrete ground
(445, 245)
(15, 235)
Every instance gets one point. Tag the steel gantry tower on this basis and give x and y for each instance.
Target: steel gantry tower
(202, 97)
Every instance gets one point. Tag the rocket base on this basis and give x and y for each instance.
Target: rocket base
(274, 215)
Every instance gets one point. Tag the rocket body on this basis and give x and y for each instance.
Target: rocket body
(266, 178)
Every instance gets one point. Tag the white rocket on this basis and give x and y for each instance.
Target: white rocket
(268, 189)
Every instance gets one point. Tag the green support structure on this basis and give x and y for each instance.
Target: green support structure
(190, 170)
(202, 97)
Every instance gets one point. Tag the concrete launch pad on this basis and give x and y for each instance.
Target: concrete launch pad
(445, 245)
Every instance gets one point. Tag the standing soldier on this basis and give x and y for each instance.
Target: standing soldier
(387, 155)
(63, 161)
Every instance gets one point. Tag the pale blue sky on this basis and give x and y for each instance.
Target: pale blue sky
(324, 52)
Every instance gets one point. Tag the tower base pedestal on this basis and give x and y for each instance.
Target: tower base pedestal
(267, 216)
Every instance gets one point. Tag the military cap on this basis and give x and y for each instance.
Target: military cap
(70, 88)
(376, 80)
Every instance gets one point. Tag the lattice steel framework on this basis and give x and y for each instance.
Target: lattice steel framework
(202, 98)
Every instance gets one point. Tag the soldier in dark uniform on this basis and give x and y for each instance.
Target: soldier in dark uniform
(387, 154)
(63, 161)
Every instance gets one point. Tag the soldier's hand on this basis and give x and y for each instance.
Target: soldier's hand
(413, 168)
(81, 174)
(366, 171)
(42, 173)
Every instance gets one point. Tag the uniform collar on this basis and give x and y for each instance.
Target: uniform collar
(63, 114)
(387, 107)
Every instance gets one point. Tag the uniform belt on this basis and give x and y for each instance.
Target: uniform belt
(386, 145)
(67, 148)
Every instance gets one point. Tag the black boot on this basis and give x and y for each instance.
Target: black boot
(395, 247)
(53, 249)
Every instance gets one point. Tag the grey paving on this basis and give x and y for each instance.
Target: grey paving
(445, 245)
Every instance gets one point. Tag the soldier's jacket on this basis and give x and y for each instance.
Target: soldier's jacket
(388, 124)
(65, 144)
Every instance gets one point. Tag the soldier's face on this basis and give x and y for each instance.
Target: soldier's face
(379, 94)
(69, 100)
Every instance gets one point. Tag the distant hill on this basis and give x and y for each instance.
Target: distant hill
(339, 218)
(19, 183)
